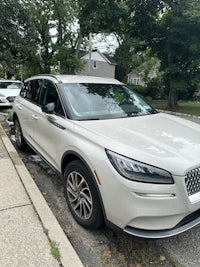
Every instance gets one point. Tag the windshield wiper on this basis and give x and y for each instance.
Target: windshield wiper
(132, 114)
(89, 119)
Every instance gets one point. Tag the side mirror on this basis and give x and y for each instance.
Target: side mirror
(49, 108)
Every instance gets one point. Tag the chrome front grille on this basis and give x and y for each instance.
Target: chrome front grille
(192, 181)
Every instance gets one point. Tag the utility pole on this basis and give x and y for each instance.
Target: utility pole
(21, 73)
(90, 53)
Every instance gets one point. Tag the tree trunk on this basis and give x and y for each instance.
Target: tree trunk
(172, 99)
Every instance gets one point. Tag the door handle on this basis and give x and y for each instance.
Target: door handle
(19, 107)
(35, 117)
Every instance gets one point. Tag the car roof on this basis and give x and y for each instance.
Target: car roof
(65, 78)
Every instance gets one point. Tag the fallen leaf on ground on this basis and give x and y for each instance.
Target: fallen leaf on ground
(107, 254)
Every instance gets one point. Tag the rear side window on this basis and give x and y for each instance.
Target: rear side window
(42, 92)
(31, 90)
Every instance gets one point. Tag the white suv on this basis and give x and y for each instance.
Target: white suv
(123, 163)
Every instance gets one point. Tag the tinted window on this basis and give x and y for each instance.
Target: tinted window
(31, 90)
(49, 94)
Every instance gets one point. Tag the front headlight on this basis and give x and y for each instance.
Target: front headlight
(3, 98)
(138, 171)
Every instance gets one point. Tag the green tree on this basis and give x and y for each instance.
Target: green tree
(16, 37)
(171, 30)
(40, 14)
(108, 16)
(57, 41)
(124, 57)
(69, 38)
(100, 16)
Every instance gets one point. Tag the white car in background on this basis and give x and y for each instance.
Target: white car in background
(123, 163)
(9, 89)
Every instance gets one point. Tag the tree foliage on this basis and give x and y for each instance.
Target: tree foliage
(171, 30)
(58, 43)
(16, 37)
(101, 16)
(41, 21)
(45, 33)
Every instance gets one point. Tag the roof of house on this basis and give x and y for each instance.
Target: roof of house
(105, 56)
(141, 69)
(134, 73)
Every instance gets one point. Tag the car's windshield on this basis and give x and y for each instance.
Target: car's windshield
(10, 85)
(104, 101)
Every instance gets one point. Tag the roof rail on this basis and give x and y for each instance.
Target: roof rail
(56, 76)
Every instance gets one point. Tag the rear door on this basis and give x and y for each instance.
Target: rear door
(26, 107)
(49, 129)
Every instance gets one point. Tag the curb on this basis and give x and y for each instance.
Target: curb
(69, 257)
(179, 114)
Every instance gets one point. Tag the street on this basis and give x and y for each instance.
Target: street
(107, 247)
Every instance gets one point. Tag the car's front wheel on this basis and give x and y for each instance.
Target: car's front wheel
(20, 142)
(81, 196)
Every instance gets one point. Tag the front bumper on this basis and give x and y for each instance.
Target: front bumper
(147, 210)
(185, 224)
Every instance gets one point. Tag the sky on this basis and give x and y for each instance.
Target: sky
(104, 43)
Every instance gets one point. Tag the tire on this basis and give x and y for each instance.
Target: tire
(20, 142)
(81, 196)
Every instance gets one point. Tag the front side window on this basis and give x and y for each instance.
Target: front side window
(49, 95)
(104, 101)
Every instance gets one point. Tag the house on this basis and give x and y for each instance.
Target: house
(134, 77)
(99, 64)
(143, 73)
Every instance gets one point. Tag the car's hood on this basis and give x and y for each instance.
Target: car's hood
(10, 92)
(161, 140)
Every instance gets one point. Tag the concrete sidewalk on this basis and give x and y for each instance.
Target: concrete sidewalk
(28, 228)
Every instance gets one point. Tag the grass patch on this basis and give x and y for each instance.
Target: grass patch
(53, 246)
(54, 250)
(174, 263)
(46, 231)
(192, 108)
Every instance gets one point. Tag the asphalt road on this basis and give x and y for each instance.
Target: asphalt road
(107, 248)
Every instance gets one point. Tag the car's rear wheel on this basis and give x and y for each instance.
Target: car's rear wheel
(20, 142)
(81, 196)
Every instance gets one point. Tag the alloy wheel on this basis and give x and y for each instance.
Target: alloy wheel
(79, 195)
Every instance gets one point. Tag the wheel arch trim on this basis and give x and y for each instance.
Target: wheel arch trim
(70, 156)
